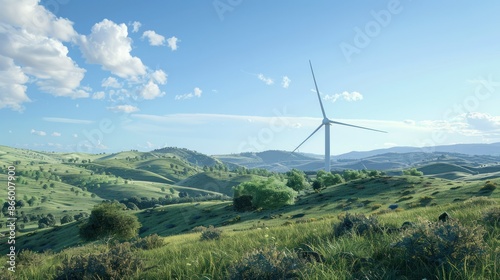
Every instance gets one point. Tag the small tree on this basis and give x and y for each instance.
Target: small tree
(109, 219)
(66, 219)
(296, 180)
(412, 172)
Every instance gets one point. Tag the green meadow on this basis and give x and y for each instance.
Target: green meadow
(192, 202)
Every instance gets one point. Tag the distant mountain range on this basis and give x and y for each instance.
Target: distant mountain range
(395, 158)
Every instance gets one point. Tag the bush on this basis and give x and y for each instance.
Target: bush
(149, 242)
(492, 217)
(443, 243)
(488, 187)
(268, 263)
(267, 194)
(211, 233)
(356, 224)
(109, 219)
(116, 263)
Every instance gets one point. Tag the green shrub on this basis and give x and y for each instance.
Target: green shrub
(109, 219)
(118, 262)
(268, 263)
(149, 242)
(211, 233)
(488, 187)
(492, 217)
(28, 257)
(356, 224)
(443, 243)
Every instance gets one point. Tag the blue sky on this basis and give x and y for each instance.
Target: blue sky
(229, 76)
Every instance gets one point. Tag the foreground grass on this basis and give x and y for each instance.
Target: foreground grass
(346, 257)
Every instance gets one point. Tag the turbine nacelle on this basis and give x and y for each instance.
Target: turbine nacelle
(326, 121)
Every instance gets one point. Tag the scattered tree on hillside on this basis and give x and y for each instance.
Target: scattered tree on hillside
(108, 219)
(66, 219)
(412, 172)
(47, 221)
(296, 180)
(269, 193)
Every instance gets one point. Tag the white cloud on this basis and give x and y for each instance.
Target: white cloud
(347, 96)
(196, 93)
(267, 81)
(99, 95)
(150, 91)
(33, 18)
(172, 43)
(66, 120)
(75, 135)
(111, 82)
(32, 39)
(482, 122)
(154, 38)
(159, 77)
(38, 132)
(285, 83)
(135, 26)
(12, 88)
(109, 45)
(123, 109)
(56, 134)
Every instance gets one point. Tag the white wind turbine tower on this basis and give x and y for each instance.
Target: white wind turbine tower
(327, 122)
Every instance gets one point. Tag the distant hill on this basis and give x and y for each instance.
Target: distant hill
(190, 156)
(467, 149)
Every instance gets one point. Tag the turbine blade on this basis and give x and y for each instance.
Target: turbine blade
(346, 124)
(317, 91)
(308, 137)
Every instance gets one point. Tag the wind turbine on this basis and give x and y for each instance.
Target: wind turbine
(327, 122)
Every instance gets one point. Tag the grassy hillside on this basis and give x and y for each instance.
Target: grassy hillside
(350, 256)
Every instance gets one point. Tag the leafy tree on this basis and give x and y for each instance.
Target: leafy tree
(66, 219)
(350, 175)
(412, 172)
(296, 180)
(317, 185)
(269, 193)
(109, 219)
(328, 179)
(48, 221)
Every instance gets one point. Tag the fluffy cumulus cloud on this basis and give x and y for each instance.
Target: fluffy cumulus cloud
(135, 26)
(154, 38)
(285, 83)
(483, 122)
(347, 96)
(109, 46)
(159, 77)
(12, 88)
(123, 109)
(150, 91)
(56, 134)
(32, 50)
(266, 80)
(111, 82)
(172, 43)
(196, 93)
(38, 132)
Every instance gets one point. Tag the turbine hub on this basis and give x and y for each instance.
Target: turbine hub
(326, 121)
